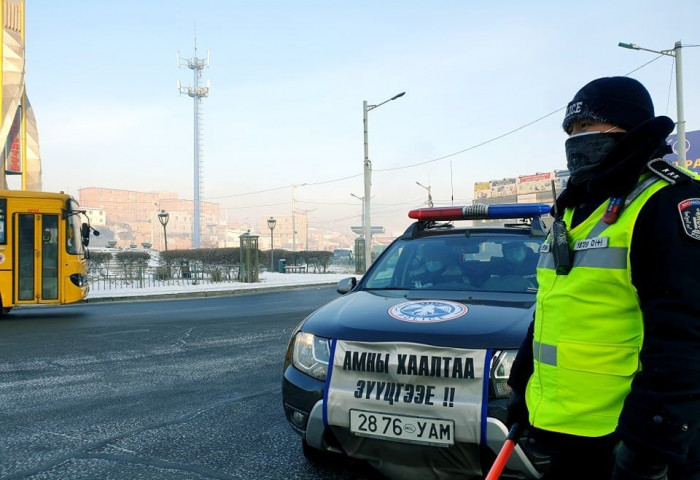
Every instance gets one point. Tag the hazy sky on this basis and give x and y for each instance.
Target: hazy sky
(288, 79)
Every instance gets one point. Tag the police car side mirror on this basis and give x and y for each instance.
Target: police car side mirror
(346, 285)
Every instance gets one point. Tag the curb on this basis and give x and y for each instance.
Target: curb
(204, 294)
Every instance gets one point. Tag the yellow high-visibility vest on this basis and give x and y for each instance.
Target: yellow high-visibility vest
(588, 325)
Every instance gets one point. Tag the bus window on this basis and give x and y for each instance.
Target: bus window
(49, 257)
(3, 220)
(25, 257)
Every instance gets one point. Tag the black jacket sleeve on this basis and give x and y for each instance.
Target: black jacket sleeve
(523, 366)
(661, 415)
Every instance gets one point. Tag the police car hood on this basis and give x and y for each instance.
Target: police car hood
(451, 319)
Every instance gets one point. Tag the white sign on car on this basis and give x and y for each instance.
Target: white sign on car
(407, 392)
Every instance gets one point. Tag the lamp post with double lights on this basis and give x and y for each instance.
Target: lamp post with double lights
(363, 268)
(430, 196)
(359, 248)
(366, 221)
(680, 125)
(271, 222)
(163, 218)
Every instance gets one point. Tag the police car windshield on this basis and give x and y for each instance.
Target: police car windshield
(479, 262)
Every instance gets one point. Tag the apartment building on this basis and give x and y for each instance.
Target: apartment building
(131, 217)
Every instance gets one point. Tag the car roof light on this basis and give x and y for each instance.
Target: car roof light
(480, 211)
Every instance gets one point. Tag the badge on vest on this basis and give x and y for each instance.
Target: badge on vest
(589, 243)
(690, 217)
(545, 248)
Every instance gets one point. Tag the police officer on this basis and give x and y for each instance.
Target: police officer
(608, 377)
(433, 267)
(519, 259)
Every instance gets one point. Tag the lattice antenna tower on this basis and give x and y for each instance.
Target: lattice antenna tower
(197, 93)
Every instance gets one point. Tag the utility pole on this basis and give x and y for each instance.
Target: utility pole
(367, 170)
(197, 93)
(680, 121)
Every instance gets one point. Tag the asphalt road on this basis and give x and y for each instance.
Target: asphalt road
(178, 389)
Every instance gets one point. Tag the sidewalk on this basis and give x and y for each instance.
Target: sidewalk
(268, 281)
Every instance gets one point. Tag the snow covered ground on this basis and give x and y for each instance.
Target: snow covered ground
(269, 280)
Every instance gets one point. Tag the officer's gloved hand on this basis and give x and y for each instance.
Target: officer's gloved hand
(631, 465)
(516, 410)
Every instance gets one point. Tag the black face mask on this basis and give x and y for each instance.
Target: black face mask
(586, 151)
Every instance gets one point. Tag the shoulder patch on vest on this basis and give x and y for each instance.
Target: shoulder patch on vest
(690, 217)
(669, 172)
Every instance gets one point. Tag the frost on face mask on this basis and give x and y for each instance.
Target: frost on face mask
(585, 152)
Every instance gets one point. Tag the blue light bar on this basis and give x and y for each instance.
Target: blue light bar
(480, 211)
(523, 210)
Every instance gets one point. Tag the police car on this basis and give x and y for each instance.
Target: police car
(408, 368)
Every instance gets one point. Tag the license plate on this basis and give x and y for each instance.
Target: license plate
(402, 428)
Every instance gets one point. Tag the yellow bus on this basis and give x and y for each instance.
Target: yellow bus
(42, 249)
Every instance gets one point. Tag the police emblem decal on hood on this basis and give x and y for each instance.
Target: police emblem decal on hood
(427, 311)
(690, 216)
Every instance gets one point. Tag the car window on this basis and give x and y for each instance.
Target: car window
(383, 278)
(495, 263)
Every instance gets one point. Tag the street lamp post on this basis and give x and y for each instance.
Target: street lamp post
(680, 121)
(163, 218)
(271, 222)
(430, 196)
(366, 220)
(362, 199)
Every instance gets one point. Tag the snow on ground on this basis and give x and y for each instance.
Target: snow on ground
(268, 280)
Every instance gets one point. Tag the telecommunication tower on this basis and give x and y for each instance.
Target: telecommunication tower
(197, 93)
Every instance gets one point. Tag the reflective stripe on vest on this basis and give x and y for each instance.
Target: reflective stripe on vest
(545, 353)
(611, 257)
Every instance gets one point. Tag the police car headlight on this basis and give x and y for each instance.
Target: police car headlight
(501, 363)
(311, 354)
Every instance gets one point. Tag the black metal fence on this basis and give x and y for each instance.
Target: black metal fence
(107, 278)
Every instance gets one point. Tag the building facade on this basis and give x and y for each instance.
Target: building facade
(285, 226)
(131, 217)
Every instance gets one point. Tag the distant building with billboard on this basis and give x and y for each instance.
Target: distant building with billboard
(537, 188)
(534, 188)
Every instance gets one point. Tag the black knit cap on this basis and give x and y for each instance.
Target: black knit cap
(619, 101)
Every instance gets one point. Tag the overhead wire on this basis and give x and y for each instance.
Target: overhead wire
(250, 193)
(255, 206)
(670, 83)
(343, 203)
(473, 146)
(644, 65)
(425, 162)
